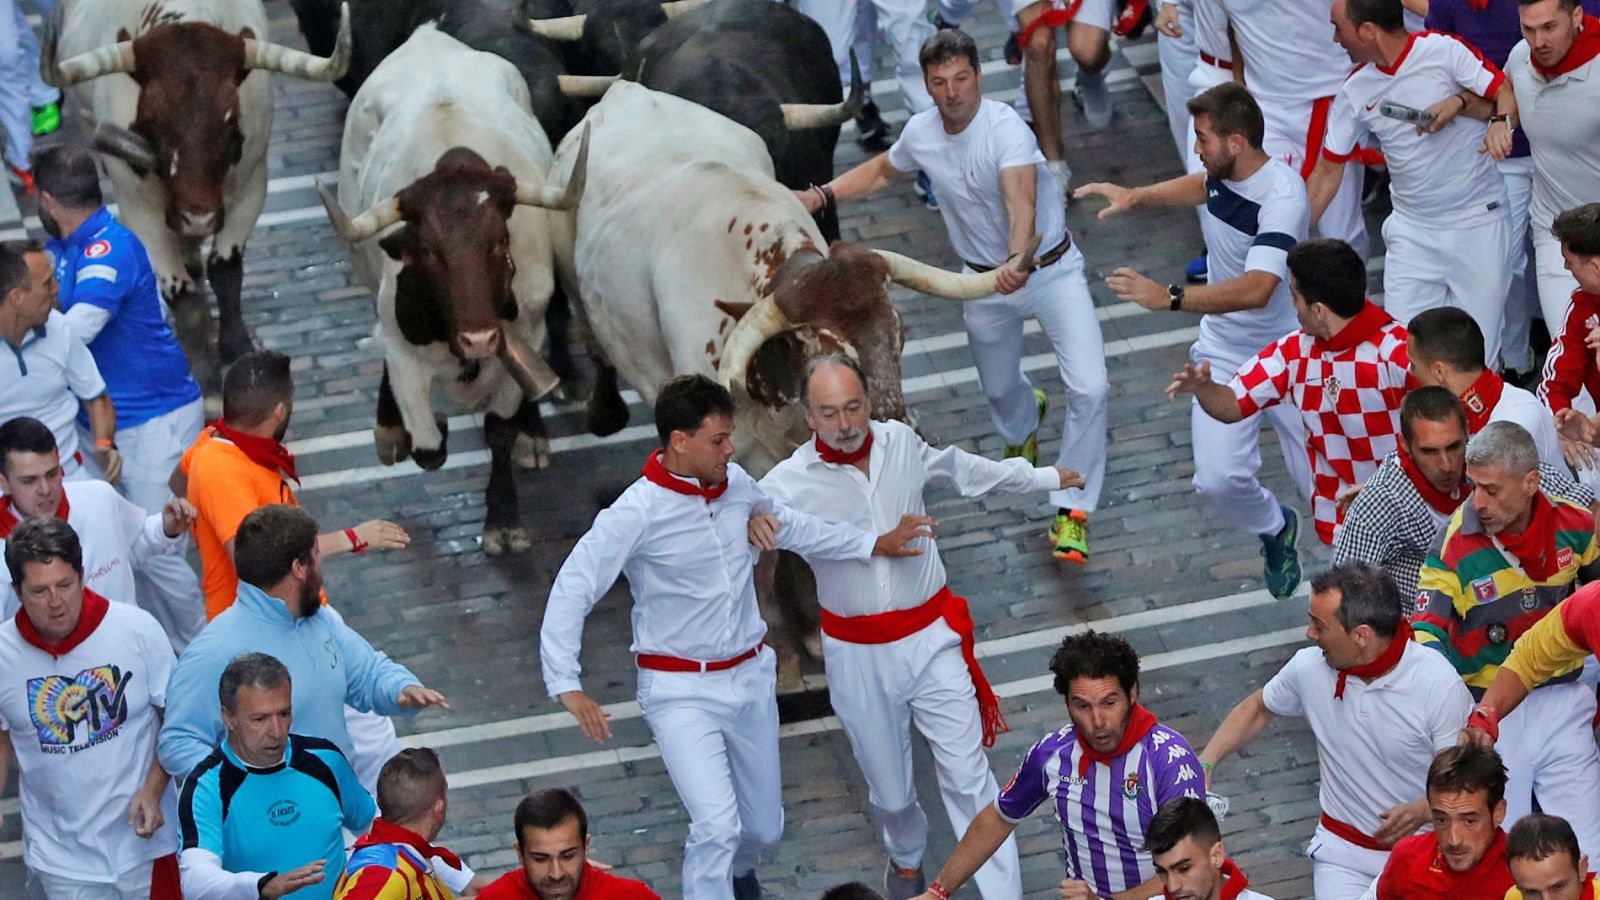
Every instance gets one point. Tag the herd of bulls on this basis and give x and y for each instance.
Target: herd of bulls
(627, 161)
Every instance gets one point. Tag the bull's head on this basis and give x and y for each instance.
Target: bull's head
(454, 250)
(187, 129)
(836, 303)
(612, 34)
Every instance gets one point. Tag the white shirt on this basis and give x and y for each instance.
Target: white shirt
(688, 565)
(1563, 131)
(1210, 28)
(1523, 408)
(83, 726)
(900, 466)
(117, 537)
(1250, 226)
(965, 171)
(46, 378)
(1288, 49)
(1439, 179)
(1374, 746)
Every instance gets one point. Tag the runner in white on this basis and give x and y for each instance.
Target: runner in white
(1255, 211)
(1213, 65)
(1088, 25)
(897, 643)
(707, 684)
(995, 199)
(1381, 707)
(117, 536)
(1293, 68)
(1176, 44)
(848, 22)
(1449, 238)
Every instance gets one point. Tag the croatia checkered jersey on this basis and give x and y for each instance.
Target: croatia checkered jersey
(1103, 809)
(1474, 602)
(1348, 390)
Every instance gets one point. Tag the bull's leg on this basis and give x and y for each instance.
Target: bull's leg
(226, 274)
(558, 324)
(409, 381)
(389, 433)
(795, 587)
(607, 413)
(779, 636)
(532, 449)
(191, 322)
(502, 520)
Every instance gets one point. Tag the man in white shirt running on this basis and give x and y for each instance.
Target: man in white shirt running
(707, 684)
(1293, 68)
(996, 198)
(1255, 210)
(1448, 239)
(897, 643)
(83, 682)
(1381, 707)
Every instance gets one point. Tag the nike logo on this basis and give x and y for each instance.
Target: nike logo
(1371, 106)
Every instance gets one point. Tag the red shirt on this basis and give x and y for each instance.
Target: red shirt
(596, 885)
(1570, 367)
(1416, 871)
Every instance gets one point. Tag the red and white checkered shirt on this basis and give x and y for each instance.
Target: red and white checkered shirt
(1348, 390)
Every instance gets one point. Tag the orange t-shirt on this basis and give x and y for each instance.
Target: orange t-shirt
(225, 486)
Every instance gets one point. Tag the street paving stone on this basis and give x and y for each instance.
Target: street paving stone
(468, 624)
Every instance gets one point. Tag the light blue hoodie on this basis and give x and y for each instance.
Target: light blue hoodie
(329, 665)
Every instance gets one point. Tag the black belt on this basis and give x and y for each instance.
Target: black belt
(1039, 262)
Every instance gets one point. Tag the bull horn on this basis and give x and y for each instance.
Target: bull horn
(566, 28)
(937, 282)
(679, 7)
(363, 226)
(526, 367)
(272, 57)
(762, 322)
(64, 73)
(586, 87)
(113, 140)
(798, 116)
(564, 197)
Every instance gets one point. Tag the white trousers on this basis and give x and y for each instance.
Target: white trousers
(21, 89)
(1339, 869)
(957, 11)
(1228, 456)
(878, 691)
(1289, 138)
(373, 742)
(1517, 173)
(166, 585)
(900, 21)
(1179, 56)
(1556, 284)
(1429, 265)
(1548, 746)
(1057, 297)
(718, 734)
(133, 884)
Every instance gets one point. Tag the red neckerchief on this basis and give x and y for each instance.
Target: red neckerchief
(1585, 48)
(841, 458)
(1233, 882)
(1481, 398)
(1140, 721)
(94, 612)
(1383, 665)
(1440, 501)
(264, 452)
(1366, 323)
(657, 473)
(1588, 887)
(1535, 548)
(386, 833)
(9, 518)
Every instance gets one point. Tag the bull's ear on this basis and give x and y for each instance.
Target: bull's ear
(397, 245)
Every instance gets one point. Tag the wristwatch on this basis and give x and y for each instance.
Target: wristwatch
(1175, 296)
(1502, 117)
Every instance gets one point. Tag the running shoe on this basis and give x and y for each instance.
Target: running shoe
(1029, 449)
(924, 189)
(903, 884)
(746, 887)
(871, 131)
(1093, 98)
(46, 118)
(1013, 50)
(1282, 566)
(1062, 173)
(1195, 271)
(1069, 536)
(24, 178)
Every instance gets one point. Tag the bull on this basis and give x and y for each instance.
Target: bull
(182, 107)
(447, 166)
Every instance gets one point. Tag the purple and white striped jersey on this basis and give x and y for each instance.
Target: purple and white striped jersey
(1104, 810)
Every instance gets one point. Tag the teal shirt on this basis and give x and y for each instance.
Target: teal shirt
(278, 818)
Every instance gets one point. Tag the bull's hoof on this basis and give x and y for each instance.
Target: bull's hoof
(393, 443)
(790, 681)
(813, 644)
(606, 415)
(530, 452)
(433, 459)
(498, 541)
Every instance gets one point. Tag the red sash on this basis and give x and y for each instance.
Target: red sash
(884, 628)
(1350, 833)
(662, 663)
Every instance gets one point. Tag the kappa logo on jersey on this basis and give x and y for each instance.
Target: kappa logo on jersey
(1564, 557)
(1483, 588)
(97, 249)
(72, 714)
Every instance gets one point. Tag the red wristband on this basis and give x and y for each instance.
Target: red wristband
(357, 545)
(939, 890)
(1485, 718)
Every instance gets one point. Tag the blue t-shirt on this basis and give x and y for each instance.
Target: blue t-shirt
(277, 819)
(146, 373)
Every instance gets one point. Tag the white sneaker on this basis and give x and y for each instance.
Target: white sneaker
(1062, 173)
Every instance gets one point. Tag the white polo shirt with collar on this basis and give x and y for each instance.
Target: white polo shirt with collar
(46, 379)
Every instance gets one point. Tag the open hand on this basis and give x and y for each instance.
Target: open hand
(897, 542)
(591, 718)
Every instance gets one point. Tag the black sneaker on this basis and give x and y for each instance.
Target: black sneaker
(872, 132)
(746, 887)
(1013, 50)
